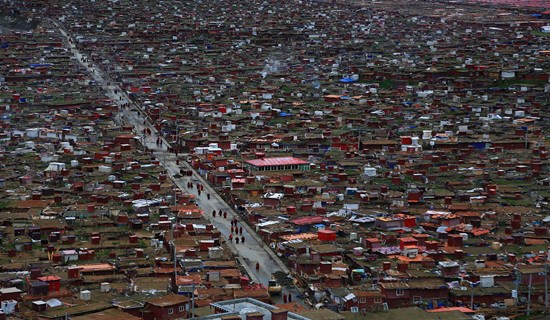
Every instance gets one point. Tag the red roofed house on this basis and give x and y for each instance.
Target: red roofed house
(276, 164)
(171, 306)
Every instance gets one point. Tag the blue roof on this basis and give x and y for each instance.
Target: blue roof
(38, 65)
(347, 80)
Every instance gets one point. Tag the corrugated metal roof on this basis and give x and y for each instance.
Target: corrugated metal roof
(276, 161)
(308, 220)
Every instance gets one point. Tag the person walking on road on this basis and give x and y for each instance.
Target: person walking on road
(241, 231)
(237, 240)
(231, 238)
(242, 239)
(214, 213)
(257, 266)
(208, 196)
(225, 214)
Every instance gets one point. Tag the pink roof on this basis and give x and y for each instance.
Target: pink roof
(49, 278)
(461, 309)
(307, 220)
(276, 161)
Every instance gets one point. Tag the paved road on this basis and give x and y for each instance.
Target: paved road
(253, 250)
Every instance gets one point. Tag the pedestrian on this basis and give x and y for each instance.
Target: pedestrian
(232, 229)
(220, 213)
(230, 238)
(225, 215)
(241, 230)
(257, 266)
(284, 298)
(208, 196)
(199, 192)
(289, 297)
(242, 239)
(214, 213)
(237, 240)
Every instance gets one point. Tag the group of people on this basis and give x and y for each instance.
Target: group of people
(287, 298)
(220, 213)
(237, 239)
(159, 142)
(237, 230)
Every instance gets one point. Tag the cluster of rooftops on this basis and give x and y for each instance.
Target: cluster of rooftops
(392, 157)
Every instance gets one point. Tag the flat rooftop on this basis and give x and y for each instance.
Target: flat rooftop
(243, 306)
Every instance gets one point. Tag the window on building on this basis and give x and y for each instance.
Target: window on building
(182, 308)
(399, 292)
(170, 310)
(362, 300)
(377, 299)
(417, 299)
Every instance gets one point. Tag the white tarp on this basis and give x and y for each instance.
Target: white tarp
(8, 306)
(52, 303)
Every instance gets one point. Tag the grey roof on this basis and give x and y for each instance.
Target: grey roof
(243, 306)
(10, 290)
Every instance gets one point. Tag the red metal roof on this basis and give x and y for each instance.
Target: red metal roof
(276, 161)
(49, 278)
(307, 220)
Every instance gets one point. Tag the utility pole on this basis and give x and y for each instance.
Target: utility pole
(529, 294)
(517, 283)
(546, 287)
(471, 296)
(175, 260)
(193, 301)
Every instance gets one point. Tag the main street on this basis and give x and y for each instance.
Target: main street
(254, 249)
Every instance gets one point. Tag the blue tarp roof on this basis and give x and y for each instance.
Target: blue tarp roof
(479, 145)
(347, 80)
(285, 114)
(39, 65)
